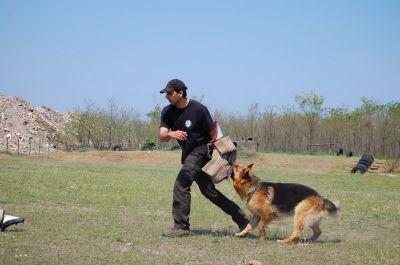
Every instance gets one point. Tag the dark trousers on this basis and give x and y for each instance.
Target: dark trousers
(191, 171)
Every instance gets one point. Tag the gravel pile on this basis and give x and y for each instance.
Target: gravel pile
(28, 129)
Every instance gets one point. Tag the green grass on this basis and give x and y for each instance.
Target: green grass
(114, 213)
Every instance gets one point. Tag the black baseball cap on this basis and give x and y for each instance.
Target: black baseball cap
(174, 85)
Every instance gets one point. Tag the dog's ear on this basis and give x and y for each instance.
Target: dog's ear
(247, 170)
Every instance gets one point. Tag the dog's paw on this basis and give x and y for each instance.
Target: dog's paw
(284, 241)
(240, 234)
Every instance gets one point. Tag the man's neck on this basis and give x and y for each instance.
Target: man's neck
(182, 103)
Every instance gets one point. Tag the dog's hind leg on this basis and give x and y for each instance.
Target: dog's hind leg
(316, 231)
(313, 220)
(302, 212)
(307, 214)
(298, 229)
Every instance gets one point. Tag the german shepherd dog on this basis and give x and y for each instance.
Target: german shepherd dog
(267, 201)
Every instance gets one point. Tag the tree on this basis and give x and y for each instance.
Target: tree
(154, 124)
(252, 117)
(333, 126)
(288, 123)
(394, 131)
(371, 128)
(311, 106)
(369, 109)
(112, 109)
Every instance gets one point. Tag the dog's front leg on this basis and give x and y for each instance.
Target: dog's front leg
(253, 223)
(243, 233)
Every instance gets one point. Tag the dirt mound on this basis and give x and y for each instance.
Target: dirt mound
(28, 129)
(143, 157)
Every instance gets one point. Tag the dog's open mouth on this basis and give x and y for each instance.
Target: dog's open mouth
(232, 174)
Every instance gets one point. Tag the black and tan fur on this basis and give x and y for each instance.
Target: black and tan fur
(267, 201)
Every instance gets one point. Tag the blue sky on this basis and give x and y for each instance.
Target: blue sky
(232, 53)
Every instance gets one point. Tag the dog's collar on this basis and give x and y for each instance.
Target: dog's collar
(251, 193)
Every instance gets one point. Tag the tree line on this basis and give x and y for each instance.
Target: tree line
(371, 128)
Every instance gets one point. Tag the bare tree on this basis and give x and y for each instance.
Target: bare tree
(372, 127)
(112, 109)
(311, 106)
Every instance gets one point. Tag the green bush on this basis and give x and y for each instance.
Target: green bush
(149, 145)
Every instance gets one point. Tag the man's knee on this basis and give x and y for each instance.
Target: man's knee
(185, 178)
(209, 191)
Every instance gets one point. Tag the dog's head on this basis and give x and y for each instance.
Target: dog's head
(241, 171)
(243, 179)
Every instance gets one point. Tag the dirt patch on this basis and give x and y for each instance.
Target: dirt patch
(313, 164)
(301, 163)
(288, 163)
(387, 166)
(146, 157)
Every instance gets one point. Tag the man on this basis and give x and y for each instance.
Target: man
(190, 123)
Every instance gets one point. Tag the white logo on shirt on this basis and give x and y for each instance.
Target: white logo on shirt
(188, 123)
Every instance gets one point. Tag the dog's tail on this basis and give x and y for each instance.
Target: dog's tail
(332, 208)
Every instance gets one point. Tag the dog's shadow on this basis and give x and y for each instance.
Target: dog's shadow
(273, 237)
(215, 233)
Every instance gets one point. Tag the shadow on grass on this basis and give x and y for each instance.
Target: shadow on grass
(228, 233)
(332, 241)
(13, 230)
(214, 233)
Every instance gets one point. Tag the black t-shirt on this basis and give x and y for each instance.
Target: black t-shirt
(195, 119)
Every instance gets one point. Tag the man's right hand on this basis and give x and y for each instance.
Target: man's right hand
(166, 135)
(179, 135)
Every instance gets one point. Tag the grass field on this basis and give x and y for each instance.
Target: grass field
(111, 208)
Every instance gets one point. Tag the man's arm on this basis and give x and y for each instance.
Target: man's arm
(166, 135)
(213, 134)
